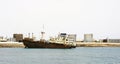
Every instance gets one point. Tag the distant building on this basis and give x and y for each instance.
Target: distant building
(114, 40)
(18, 37)
(11, 39)
(2, 39)
(110, 40)
(88, 38)
(72, 37)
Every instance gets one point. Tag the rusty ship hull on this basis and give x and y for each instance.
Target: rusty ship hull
(44, 44)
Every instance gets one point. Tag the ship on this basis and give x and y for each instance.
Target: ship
(62, 41)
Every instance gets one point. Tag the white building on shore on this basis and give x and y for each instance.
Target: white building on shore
(110, 40)
(2, 39)
(88, 38)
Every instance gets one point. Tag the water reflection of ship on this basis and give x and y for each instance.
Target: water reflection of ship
(62, 41)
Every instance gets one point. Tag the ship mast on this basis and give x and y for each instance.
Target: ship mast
(28, 35)
(42, 33)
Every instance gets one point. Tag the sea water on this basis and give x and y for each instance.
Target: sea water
(79, 55)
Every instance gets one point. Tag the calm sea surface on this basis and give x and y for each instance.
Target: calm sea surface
(80, 55)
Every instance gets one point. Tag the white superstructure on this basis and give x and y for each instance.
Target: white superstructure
(63, 38)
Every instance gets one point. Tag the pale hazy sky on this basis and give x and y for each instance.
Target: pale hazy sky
(100, 17)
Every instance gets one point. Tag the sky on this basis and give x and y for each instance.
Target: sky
(99, 17)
